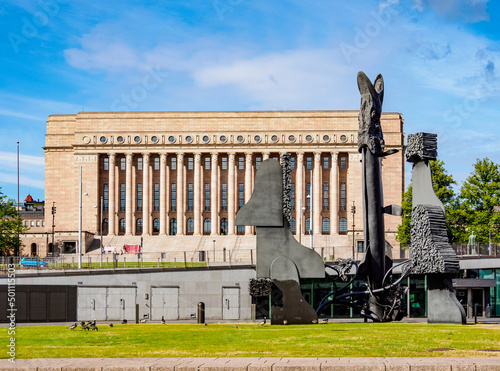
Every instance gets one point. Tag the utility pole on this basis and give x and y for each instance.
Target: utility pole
(353, 210)
(53, 223)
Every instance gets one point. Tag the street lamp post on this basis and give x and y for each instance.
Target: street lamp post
(80, 224)
(214, 250)
(101, 233)
(53, 223)
(353, 210)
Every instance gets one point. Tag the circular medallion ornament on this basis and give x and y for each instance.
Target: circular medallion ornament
(223, 139)
(343, 138)
(154, 139)
(86, 140)
(171, 139)
(309, 138)
(206, 139)
(137, 139)
(103, 139)
(240, 138)
(189, 139)
(326, 138)
(257, 138)
(274, 139)
(291, 138)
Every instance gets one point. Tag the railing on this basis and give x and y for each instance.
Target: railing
(481, 249)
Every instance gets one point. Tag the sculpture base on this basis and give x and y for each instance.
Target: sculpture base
(442, 303)
(295, 310)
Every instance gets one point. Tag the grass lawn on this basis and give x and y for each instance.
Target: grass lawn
(252, 340)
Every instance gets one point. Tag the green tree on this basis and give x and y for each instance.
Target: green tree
(442, 184)
(479, 194)
(10, 226)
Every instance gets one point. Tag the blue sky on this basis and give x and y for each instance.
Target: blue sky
(439, 59)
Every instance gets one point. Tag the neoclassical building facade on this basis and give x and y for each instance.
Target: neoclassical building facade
(181, 177)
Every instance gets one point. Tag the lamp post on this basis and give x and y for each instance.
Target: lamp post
(18, 248)
(80, 223)
(353, 210)
(53, 223)
(214, 251)
(101, 244)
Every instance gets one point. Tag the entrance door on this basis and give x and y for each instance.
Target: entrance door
(164, 303)
(462, 297)
(477, 298)
(91, 303)
(121, 303)
(230, 303)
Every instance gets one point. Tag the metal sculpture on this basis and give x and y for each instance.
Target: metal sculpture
(430, 250)
(279, 256)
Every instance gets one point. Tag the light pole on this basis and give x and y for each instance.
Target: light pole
(309, 197)
(312, 210)
(214, 251)
(353, 210)
(489, 243)
(80, 223)
(101, 233)
(18, 252)
(53, 223)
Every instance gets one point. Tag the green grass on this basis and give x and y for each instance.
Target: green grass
(251, 340)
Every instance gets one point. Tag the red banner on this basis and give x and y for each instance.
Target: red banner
(132, 248)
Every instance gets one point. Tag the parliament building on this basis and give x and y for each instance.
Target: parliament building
(174, 181)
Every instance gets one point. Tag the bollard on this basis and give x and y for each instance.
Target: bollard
(201, 312)
(475, 312)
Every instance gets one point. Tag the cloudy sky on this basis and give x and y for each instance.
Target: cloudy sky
(439, 59)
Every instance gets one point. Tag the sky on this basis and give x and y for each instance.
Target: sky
(439, 60)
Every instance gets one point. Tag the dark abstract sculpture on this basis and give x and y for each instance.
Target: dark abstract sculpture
(279, 256)
(430, 250)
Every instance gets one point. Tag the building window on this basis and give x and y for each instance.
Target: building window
(207, 226)
(223, 227)
(308, 225)
(106, 163)
(123, 163)
(156, 197)
(207, 197)
(292, 163)
(156, 163)
(360, 247)
(258, 160)
(138, 226)
(241, 195)
(190, 197)
(342, 196)
(207, 163)
(343, 163)
(38, 223)
(43, 223)
(240, 229)
(190, 163)
(173, 197)
(309, 162)
(139, 197)
(122, 197)
(325, 226)
(293, 225)
(326, 163)
(292, 197)
(241, 163)
(26, 223)
(156, 225)
(173, 227)
(224, 163)
(343, 225)
(105, 194)
(326, 200)
(105, 227)
(224, 197)
(32, 223)
(139, 163)
(173, 163)
(190, 225)
(122, 226)
(308, 193)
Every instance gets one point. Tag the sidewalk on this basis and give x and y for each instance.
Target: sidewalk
(257, 364)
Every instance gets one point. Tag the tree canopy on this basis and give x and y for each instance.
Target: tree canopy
(10, 225)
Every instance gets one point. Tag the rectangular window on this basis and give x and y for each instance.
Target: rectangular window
(156, 195)
(139, 163)
(343, 163)
(308, 193)
(105, 194)
(190, 196)
(224, 163)
(43, 223)
(190, 163)
(207, 197)
(173, 197)
(38, 223)
(32, 223)
(26, 223)
(309, 162)
(123, 165)
(139, 197)
(241, 163)
(122, 197)
(241, 195)
(258, 160)
(326, 163)
(173, 163)
(292, 196)
(106, 163)
(156, 163)
(207, 163)
(224, 197)
(342, 196)
(292, 163)
(361, 247)
(326, 200)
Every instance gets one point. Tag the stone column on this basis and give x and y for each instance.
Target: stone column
(265, 156)
(248, 184)
(231, 210)
(145, 194)
(300, 201)
(334, 195)
(214, 192)
(111, 195)
(180, 194)
(163, 193)
(128, 195)
(197, 194)
(317, 196)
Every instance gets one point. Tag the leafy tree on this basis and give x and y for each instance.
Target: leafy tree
(10, 226)
(479, 194)
(442, 184)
